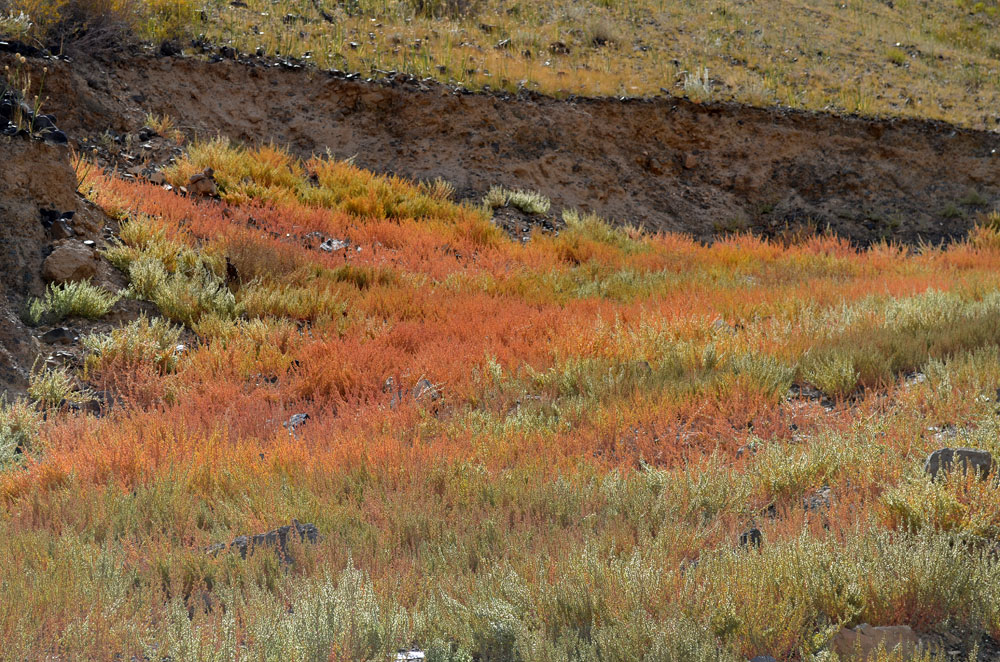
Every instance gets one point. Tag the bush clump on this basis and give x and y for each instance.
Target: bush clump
(79, 299)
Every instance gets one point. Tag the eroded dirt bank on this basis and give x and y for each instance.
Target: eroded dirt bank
(665, 164)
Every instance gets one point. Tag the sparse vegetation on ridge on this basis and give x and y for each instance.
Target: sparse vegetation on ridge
(934, 59)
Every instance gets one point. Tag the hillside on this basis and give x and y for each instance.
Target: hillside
(297, 366)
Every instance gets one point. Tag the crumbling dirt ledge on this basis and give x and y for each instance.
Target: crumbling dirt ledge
(665, 164)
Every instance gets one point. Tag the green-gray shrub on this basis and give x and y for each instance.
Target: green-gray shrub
(77, 299)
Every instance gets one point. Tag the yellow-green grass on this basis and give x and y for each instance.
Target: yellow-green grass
(918, 58)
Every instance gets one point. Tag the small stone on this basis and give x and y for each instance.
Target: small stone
(690, 161)
(943, 459)
(55, 136)
(332, 244)
(49, 216)
(751, 538)
(860, 642)
(722, 326)
(43, 122)
(203, 184)
(58, 335)
(296, 421)
(70, 261)
(170, 48)
(425, 389)
(60, 230)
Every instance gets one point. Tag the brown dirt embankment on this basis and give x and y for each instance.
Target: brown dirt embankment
(665, 164)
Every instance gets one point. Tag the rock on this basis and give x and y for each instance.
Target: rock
(751, 538)
(71, 261)
(818, 500)
(425, 389)
(170, 48)
(859, 643)
(157, 178)
(276, 539)
(203, 184)
(943, 459)
(721, 326)
(147, 132)
(332, 244)
(55, 136)
(60, 229)
(690, 161)
(297, 420)
(59, 335)
(43, 122)
(403, 655)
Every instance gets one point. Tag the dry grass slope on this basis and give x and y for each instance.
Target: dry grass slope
(935, 59)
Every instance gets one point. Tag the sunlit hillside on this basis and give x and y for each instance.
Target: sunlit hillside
(917, 58)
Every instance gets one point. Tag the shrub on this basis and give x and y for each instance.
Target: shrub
(53, 387)
(79, 299)
(140, 341)
(19, 423)
(186, 297)
(834, 374)
(530, 202)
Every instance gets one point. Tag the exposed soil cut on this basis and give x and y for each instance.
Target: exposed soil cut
(664, 164)
(36, 182)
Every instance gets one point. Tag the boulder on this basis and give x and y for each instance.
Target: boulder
(71, 261)
(942, 460)
(860, 642)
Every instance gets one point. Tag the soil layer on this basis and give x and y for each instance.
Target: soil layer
(664, 164)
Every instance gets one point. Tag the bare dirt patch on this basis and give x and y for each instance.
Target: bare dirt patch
(664, 164)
